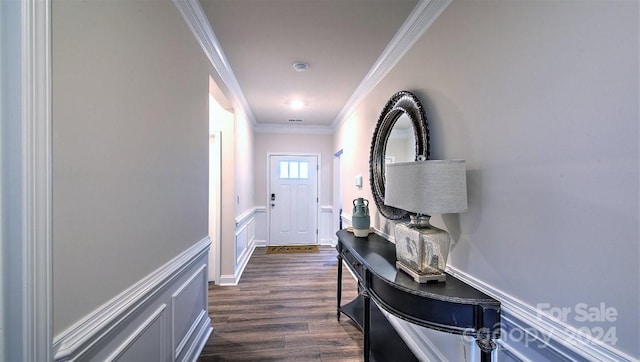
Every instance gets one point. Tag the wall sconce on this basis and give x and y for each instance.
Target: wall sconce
(424, 188)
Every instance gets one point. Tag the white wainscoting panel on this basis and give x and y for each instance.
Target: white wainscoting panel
(136, 325)
(260, 217)
(183, 314)
(241, 241)
(346, 219)
(245, 236)
(245, 244)
(326, 234)
(151, 332)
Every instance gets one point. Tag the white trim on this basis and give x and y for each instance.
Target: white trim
(78, 339)
(201, 272)
(159, 313)
(564, 340)
(242, 223)
(199, 24)
(202, 316)
(202, 331)
(215, 211)
(389, 237)
(240, 229)
(346, 219)
(245, 217)
(231, 280)
(418, 343)
(36, 175)
(418, 21)
(260, 217)
(325, 226)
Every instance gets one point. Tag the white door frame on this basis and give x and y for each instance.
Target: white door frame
(31, 249)
(215, 207)
(337, 193)
(268, 177)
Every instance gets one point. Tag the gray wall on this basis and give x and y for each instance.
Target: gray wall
(130, 147)
(541, 99)
(11, 185)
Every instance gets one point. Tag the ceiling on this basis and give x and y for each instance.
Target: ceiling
(340, 40)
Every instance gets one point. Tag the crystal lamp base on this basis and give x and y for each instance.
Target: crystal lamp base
(422, 251)
(436, 276)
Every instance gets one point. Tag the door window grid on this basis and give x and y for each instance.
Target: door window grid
(294, 170)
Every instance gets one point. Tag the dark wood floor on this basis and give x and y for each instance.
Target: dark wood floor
(284, 309)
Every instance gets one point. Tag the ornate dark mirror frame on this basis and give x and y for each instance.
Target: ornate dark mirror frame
(403, 102)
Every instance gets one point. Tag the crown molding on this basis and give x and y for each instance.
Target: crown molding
(418, 21)
(416, 24)
(199, 24)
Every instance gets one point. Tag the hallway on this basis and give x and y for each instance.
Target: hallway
(284, 309)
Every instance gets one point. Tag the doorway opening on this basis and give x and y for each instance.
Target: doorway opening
(218, 116)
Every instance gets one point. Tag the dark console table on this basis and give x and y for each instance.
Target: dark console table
(452, 306)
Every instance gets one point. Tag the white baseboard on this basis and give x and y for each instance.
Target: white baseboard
(326, 242)
(145, 321)
(228, 279)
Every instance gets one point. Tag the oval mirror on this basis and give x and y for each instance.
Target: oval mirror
(392, 141)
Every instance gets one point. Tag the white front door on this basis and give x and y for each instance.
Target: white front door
(293, 200)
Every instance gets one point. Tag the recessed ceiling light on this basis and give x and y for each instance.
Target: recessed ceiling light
(296, 104)
(300, 66)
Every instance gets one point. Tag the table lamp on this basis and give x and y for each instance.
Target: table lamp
(425, 188)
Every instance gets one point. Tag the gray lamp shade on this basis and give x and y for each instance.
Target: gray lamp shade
(427, 187)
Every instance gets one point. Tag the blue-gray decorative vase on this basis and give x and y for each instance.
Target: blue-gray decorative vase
(360, 218)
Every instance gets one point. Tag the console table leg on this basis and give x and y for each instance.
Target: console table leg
(339, 293)
(367, 326)
(486, 348)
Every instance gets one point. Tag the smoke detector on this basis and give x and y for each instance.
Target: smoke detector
(300, 66)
